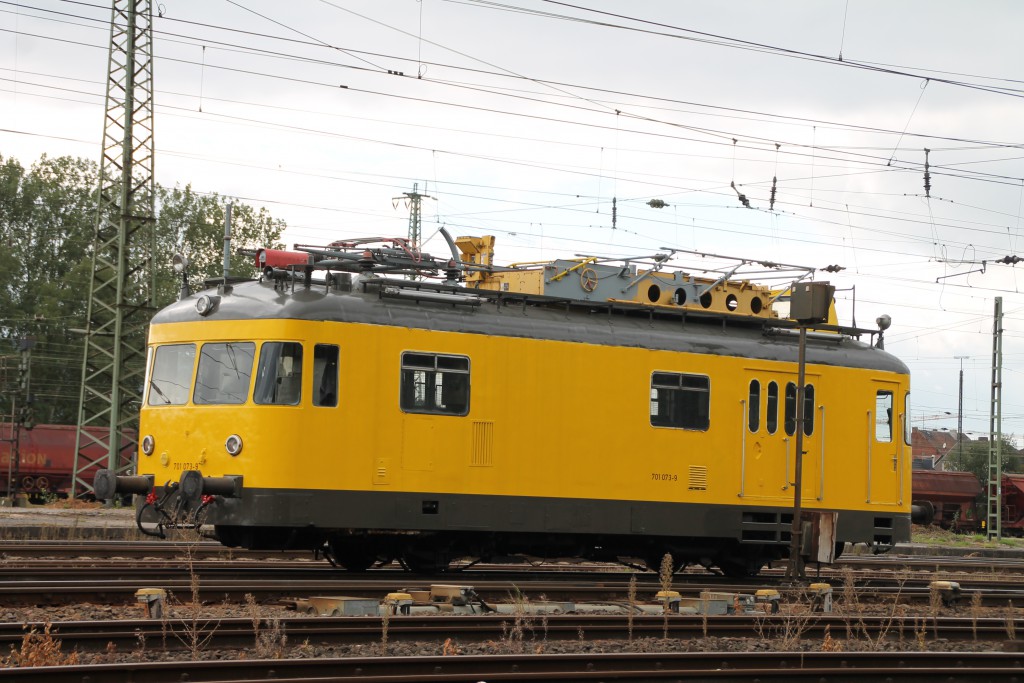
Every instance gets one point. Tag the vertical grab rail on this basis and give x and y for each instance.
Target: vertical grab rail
(870, 439)
(785, 487)
(821, 473)
(743, 446)
(898, 438)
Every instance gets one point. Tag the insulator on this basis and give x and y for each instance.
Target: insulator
(833, 268)
(615, 213)
(927, 176)
(742, 197)
(1009, 260)
(657, 204)
(771, 200)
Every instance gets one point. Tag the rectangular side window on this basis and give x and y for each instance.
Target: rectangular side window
(279, 377)
(434, 383)
(171, 377)
(224, 373)
(883, 416)
(680, 401)
(325, 375)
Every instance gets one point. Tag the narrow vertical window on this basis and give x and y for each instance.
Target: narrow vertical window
(883, 416)
(325, 375)
(808, 409)
(790, 419)
(754, 409)
(772, 408)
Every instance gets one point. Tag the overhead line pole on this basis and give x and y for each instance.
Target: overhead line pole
(994, 485)
(960, 419)
(122, 286)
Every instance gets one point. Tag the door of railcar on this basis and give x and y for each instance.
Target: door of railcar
(768, 460)
(884, 464)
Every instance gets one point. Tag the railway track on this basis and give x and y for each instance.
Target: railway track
(122, 592)
(20, 551)
(117, 585)
(235, 633)
(728, 668)
(59, 573)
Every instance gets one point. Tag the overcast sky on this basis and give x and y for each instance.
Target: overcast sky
(524, 119)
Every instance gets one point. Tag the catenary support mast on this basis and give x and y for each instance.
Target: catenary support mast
(994, 486)
(122, 286)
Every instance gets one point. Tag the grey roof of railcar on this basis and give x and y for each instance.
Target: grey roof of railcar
(532, 317)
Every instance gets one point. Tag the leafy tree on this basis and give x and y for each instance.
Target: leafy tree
(975, 458)
(192, 224)
(47, 216)
(47, 222)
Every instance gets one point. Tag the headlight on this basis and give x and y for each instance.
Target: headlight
(233, 445)
(148, 444)
(206, 304)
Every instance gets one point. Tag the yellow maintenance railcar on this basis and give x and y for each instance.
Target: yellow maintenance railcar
(569, 409)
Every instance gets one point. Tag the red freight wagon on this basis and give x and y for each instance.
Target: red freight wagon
(47, 456)
(1013, 504)
(953, 495)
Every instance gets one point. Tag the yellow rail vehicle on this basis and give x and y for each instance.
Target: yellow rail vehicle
(378, 418)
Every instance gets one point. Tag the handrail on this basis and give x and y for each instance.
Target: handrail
(899, 455)
(870, 440)
(743, 446)
(821, 473)
(785, 487)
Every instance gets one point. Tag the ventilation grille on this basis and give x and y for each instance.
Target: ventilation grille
(698, 478)
(482, 454)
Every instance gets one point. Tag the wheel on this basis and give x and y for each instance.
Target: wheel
(740, 567)
(425, 563)
(350, 556)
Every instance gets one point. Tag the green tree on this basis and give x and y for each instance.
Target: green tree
(192, 224)
(47, 214)
(47, 222)
(976, 454)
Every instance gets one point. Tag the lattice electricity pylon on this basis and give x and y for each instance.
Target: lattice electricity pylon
(120, 298)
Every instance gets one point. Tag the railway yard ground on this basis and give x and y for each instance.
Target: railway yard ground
(68, 596)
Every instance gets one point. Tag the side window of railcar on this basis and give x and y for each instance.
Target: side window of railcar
(434, 383)
(809, 409)
(325, 375)
(279, 377)
(172, 374)
(883, 416)
(754, 411)
(790, 417)
(772, 408)
(789, 424)
(224, 373)
(681, 401)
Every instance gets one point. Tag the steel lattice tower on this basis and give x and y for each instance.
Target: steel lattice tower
(120, 297)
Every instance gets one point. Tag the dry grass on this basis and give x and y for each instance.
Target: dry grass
(665, 576)
(38, 649)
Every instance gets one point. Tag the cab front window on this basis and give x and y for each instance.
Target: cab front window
(171, 379)
(225, 371)
(279, 377)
